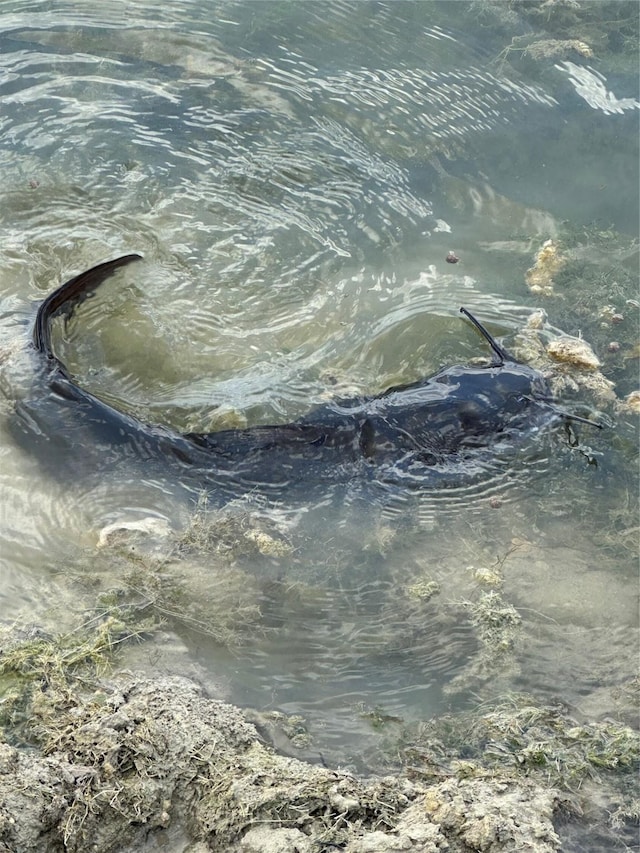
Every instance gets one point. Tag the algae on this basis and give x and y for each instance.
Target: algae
(544, 743)
(213, 554)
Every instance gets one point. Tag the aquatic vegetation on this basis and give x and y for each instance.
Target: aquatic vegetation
(550, 740)
(193, 587)
(200, 578)
(497, 626)
(620, 532)
(540, 49)
(593, 764)
(377, 716)
(237, 530)
(423, 589)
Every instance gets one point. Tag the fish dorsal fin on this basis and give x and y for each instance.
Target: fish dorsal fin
(68, 295)
(501, 353)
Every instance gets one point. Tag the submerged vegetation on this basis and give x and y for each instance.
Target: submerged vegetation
(33, 663)
(113, 759)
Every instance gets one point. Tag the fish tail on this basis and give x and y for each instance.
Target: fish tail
(68, 295)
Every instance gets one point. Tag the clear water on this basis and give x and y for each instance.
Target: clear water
(295, 175)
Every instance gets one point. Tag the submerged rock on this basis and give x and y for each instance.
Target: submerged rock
(573, 351)
(631, 403)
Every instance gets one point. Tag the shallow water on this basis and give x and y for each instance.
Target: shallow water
(295, 176)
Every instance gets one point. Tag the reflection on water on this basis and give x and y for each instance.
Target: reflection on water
(295, 177)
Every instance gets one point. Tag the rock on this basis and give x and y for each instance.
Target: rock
(573, 351)
(493, 815)
(127, 533)
(382, 842)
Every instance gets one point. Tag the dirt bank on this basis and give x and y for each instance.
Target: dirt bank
(140, 757)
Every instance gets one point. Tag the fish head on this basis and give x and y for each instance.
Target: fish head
(488, 401)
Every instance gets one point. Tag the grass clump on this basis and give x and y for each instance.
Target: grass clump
(520, 736)
(545, 739)
(34, 664)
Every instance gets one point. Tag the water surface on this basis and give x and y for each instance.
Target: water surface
(295, 175)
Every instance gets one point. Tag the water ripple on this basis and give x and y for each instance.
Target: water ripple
(291, 173)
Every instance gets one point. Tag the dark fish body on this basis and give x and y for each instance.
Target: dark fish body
(428, 432)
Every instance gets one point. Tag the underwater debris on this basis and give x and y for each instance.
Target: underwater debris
(423, 589)
(548, 263)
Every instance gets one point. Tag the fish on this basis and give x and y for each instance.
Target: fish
(430, 432)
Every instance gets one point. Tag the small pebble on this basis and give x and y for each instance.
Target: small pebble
(614, 346)
(452, 258)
